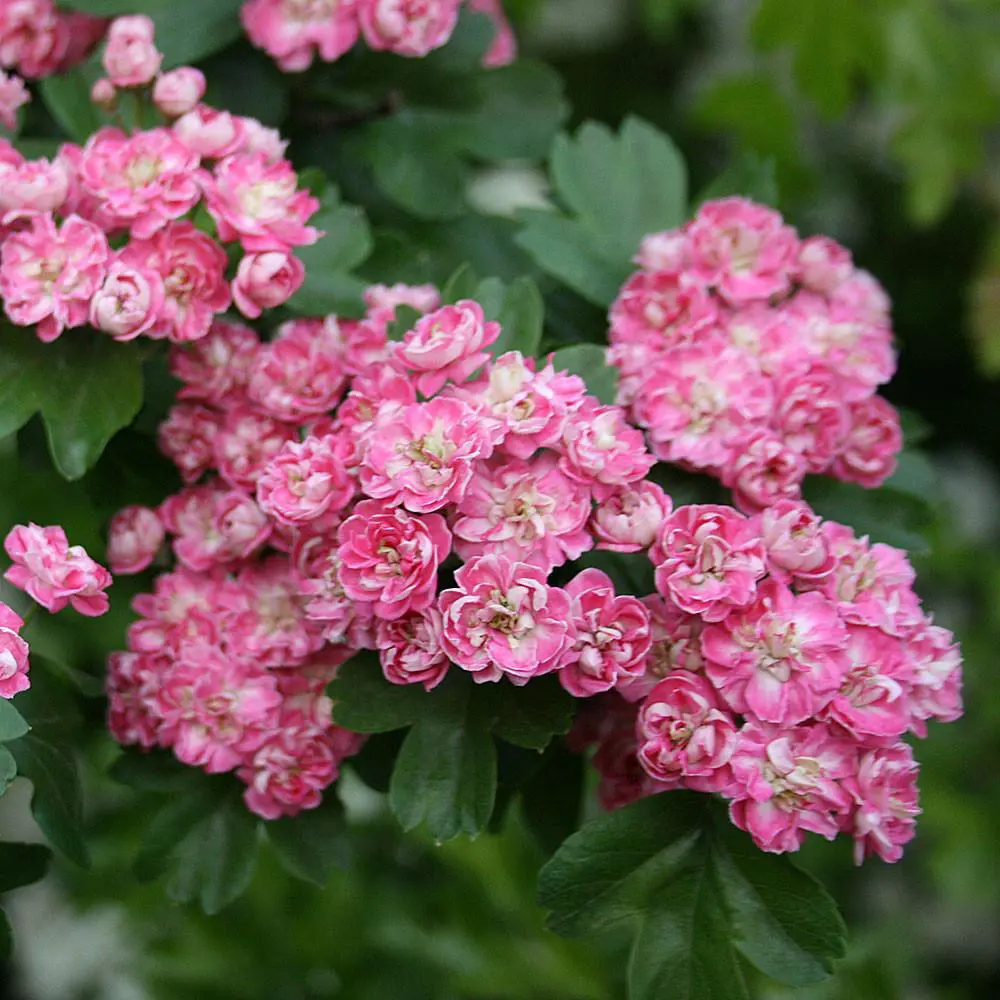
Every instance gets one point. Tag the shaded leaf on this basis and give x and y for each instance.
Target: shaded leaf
(589, 362)
(22, 864)
(365, 702)
(446, 772)
(532, 715)
(310, 844)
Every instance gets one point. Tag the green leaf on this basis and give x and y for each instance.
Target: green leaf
(8, 769)
(173, 824)
(12, 725)
(156, 771)
(532, 715)
(85, 385)
(186, 30)
(365, 702)
(446, 773)
(215, 862)
(415, 163)
(521, 316)
(67, 96)
(22, 864)
(589, 362)
(784, 921)
(56, 801)
(885, 515)
(346, 242)
(561, 247)
(245, 81)
(748, 175)
(693, 891)
(621, 187)
(462, 284)
(405, 319)
(311, 844)
(630, 572)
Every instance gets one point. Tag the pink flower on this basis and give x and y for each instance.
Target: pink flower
(304, 480)
(179, 91)
(210, 133)
(884, 790)
(213, 526)
(410, 651)
(504, 619)
(267, 620)
(612, 636)
(129, 303)
(258, 138)
(870, 584)
(446, 345)
(31, 187)
(139, 182)
(765, 471)
(628, 518)
(685, 736)
(298, 375)
(13, 95)
(266, 280)
(795, 543)
(53, 573)
(823, 264)
(422, 455)
(130, 57)
(700, 400)
(48, 275)
(134, 537)
(524, 510)
(708, 560)
(292, 32)
(935, 663)
(246, 443)
(188, 438)
(743, 250)
(131, 715)
(217, 367)
(389, 558)
(874, 439)
(600, 446)
(293, 768)
(344, 621)
(786, 783)
(423, 298)
(872, 699)
(811, 416)
(103, 93)
(13, 654)
(781, 659)
(257, 203)
(192, 266)
(407, 27)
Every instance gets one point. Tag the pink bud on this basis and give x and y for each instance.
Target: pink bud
(103, 93)
(130, 57)
(179, 91)
(128, 303)
(265, 280)
(134, 536)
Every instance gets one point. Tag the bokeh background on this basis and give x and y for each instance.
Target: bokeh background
(880, 120)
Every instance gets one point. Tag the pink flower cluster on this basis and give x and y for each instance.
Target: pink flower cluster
(346, 492)
(294, 32)
(105, 234)
(789, 658)
(754, 355)
(37, 39)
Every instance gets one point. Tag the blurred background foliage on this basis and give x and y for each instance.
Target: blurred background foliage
(881, 119)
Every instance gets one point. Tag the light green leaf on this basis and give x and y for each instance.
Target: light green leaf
(12, 724)
(589, 362)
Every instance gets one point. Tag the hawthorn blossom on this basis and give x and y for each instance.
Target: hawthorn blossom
(410, 649)
(503, 618)
(53, 572)
(135, 535)
(266, 280)
(13, 654)
(293, 32)
(13, 95)
(611, 636)
(178, 91)
(48, 275)
(389, 558)
(130, 57)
